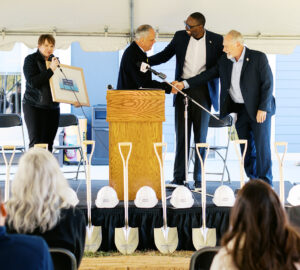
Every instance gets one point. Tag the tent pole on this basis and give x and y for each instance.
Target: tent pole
(131, 21)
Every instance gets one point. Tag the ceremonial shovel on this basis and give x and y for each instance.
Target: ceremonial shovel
(280, 161)
(203, 237)
(165, 238)
(126, 238)
(8, 165)
(93, 236)
(241, 158)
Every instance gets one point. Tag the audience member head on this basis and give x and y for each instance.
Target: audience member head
(233, 44)
(259, 234)
(2, 211)
(37, 192)
(194, 25)
(145, 37)
(46, 45)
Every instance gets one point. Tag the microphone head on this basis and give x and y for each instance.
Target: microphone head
(50, 57)
(109, 87)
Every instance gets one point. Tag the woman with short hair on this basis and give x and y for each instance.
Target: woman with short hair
(259, 236)
(40, 112)
(38, 205)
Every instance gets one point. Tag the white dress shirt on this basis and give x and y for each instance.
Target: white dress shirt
(235, 89)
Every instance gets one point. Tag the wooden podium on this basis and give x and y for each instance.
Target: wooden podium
(135, 116)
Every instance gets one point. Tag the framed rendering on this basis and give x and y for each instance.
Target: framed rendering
(68, 85)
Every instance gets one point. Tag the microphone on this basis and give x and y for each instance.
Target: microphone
(50, 59)
(110, 87)
(159, 74)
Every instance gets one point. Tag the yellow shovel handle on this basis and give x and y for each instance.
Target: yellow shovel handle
(280, 161)
(241, 158)
(41, 145)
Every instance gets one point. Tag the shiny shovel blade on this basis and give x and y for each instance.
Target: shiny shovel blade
(204, 237)
(126, 240)
(93, 238)
(166, 241)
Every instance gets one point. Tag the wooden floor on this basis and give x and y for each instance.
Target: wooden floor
(138, 261)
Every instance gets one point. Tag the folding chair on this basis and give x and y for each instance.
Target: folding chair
(9, 121)
(63, 259)
(13, 120)
(66, 120)
(214, 123)
(202, 258)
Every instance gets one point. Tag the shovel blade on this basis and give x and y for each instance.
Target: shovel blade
(166, 241)
(93, 238)
(126, 245)
(201, 240)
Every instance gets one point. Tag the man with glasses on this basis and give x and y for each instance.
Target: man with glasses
(196, 50)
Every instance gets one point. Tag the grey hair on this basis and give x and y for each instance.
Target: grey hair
(37, 193)
(236, 36)
(142, 31)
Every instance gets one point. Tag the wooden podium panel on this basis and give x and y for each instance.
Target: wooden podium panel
(135, 116)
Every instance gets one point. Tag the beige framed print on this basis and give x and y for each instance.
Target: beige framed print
(68, 86)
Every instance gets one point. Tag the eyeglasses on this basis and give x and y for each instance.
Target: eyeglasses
(189, 27)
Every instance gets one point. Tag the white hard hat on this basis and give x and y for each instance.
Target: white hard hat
(182, 197)
(107, 198)
(145, 197)
(70, 196)
(294, 195)
(224, 196)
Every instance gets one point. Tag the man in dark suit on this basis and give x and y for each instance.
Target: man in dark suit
(130, 76)
(196, 50)
(246, 89)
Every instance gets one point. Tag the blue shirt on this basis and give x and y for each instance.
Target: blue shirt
(23, 252)
(235, 89)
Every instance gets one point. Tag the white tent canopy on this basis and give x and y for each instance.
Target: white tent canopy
(272, 26)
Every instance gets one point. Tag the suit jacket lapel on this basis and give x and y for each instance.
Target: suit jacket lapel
(246, 61)
(209, 48)
(185, 44)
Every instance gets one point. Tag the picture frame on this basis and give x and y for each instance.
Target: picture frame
(67, 85)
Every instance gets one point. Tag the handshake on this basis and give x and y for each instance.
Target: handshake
(178, 85)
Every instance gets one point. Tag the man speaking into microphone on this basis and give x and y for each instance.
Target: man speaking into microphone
(131, 74)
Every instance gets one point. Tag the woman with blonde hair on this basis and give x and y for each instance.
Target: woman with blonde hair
(38, 205)
(259, 236)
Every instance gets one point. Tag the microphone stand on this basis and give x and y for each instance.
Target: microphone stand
(186, 104)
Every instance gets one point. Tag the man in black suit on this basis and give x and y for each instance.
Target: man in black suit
(130, 76)
(196, 49)
(246, 89)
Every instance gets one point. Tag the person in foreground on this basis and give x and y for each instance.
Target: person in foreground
(40, 112)
(246, 89)
(38, 205)
(259, 236)
(22, 251)
(130, 75)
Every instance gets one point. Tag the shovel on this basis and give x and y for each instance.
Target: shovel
(8, 165)
(241, 158)
(41, 145)
(203, 237)
(280, 161)
(165, 238)
(126, 238)
(93, 236)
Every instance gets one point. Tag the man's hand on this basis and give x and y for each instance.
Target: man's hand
(261, 116)
(144, 67)
(77, 104)
(179, 85)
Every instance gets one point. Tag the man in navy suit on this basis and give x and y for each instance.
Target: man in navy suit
(246, 89)
(196, 49)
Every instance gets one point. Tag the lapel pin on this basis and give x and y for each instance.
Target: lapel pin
(247, 59)
(210, 42)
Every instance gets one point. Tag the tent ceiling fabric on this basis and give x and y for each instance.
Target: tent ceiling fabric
(270, 25)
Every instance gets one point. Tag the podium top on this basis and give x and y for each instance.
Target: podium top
(135, 106)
